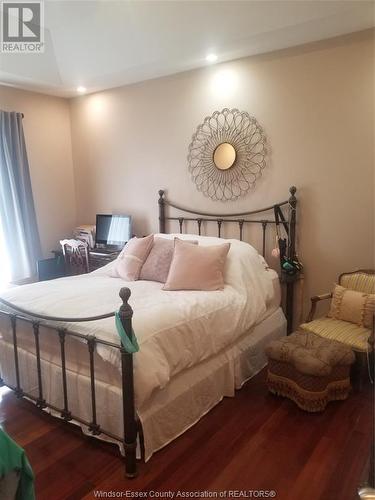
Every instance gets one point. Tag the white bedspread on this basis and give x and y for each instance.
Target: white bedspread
(175, 329)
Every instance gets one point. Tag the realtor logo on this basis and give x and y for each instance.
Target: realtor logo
(22, 27)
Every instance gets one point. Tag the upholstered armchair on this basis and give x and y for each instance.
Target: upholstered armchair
(358, 335)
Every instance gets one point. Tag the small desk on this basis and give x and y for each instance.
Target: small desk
(98, 259)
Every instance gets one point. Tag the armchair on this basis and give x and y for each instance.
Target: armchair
(359, 338)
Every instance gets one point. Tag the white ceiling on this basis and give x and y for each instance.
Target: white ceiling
(103, 44)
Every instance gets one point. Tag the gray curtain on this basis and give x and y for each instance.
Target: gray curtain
(17, 211)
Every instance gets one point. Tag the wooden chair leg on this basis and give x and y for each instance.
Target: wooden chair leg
(361, 370)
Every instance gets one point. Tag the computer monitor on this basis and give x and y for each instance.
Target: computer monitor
(113, 230)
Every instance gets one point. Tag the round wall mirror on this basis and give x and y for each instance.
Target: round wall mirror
(227, 154)
(224, 156)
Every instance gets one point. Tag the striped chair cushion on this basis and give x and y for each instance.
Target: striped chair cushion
(348, 333)
(361, 282)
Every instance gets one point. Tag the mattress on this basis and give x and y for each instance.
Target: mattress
(77, 354)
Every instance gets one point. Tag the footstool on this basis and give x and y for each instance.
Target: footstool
(309, 370)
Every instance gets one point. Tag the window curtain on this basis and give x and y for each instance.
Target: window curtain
(17, 212)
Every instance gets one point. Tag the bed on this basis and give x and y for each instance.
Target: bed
(60, 348)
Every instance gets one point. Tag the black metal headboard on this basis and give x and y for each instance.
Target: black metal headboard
(240, 218)
(273, 215)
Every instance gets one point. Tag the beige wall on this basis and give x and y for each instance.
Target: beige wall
(316, 105)
(48, 141)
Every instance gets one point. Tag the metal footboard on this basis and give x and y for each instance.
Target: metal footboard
(130, 431)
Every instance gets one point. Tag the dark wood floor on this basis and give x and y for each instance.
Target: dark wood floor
(254, 441)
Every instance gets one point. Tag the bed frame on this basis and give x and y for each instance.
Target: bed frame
(131, 427)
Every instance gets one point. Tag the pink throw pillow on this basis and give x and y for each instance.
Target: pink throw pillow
(158, 262)
(197, 267)
(130, 261)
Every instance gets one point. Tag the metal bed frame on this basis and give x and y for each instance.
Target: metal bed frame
(131, 427)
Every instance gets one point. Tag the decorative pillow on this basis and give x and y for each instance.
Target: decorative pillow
(158, 262)
(130, 261)
(352, 306)
(197, 267)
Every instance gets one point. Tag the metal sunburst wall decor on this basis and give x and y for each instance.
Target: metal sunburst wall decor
(227, 154)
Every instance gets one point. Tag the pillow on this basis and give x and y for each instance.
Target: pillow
(197, 267)
(158, 262)
(352, 306)
(243, 269)
(131, 259)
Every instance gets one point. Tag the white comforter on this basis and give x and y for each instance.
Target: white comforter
(175, 330)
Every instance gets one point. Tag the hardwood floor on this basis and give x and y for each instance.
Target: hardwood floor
(254, 441)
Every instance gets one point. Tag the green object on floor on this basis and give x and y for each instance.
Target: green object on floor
(13, 457)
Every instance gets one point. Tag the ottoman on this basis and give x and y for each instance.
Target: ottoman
(309, 369)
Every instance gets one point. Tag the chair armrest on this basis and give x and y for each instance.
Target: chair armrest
(314, 301)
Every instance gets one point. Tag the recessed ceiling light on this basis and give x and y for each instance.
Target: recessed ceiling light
(211, 58)
(81, 90)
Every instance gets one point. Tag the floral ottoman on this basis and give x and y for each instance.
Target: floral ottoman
(309, 370)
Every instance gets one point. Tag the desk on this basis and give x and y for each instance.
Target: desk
(97, 259)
